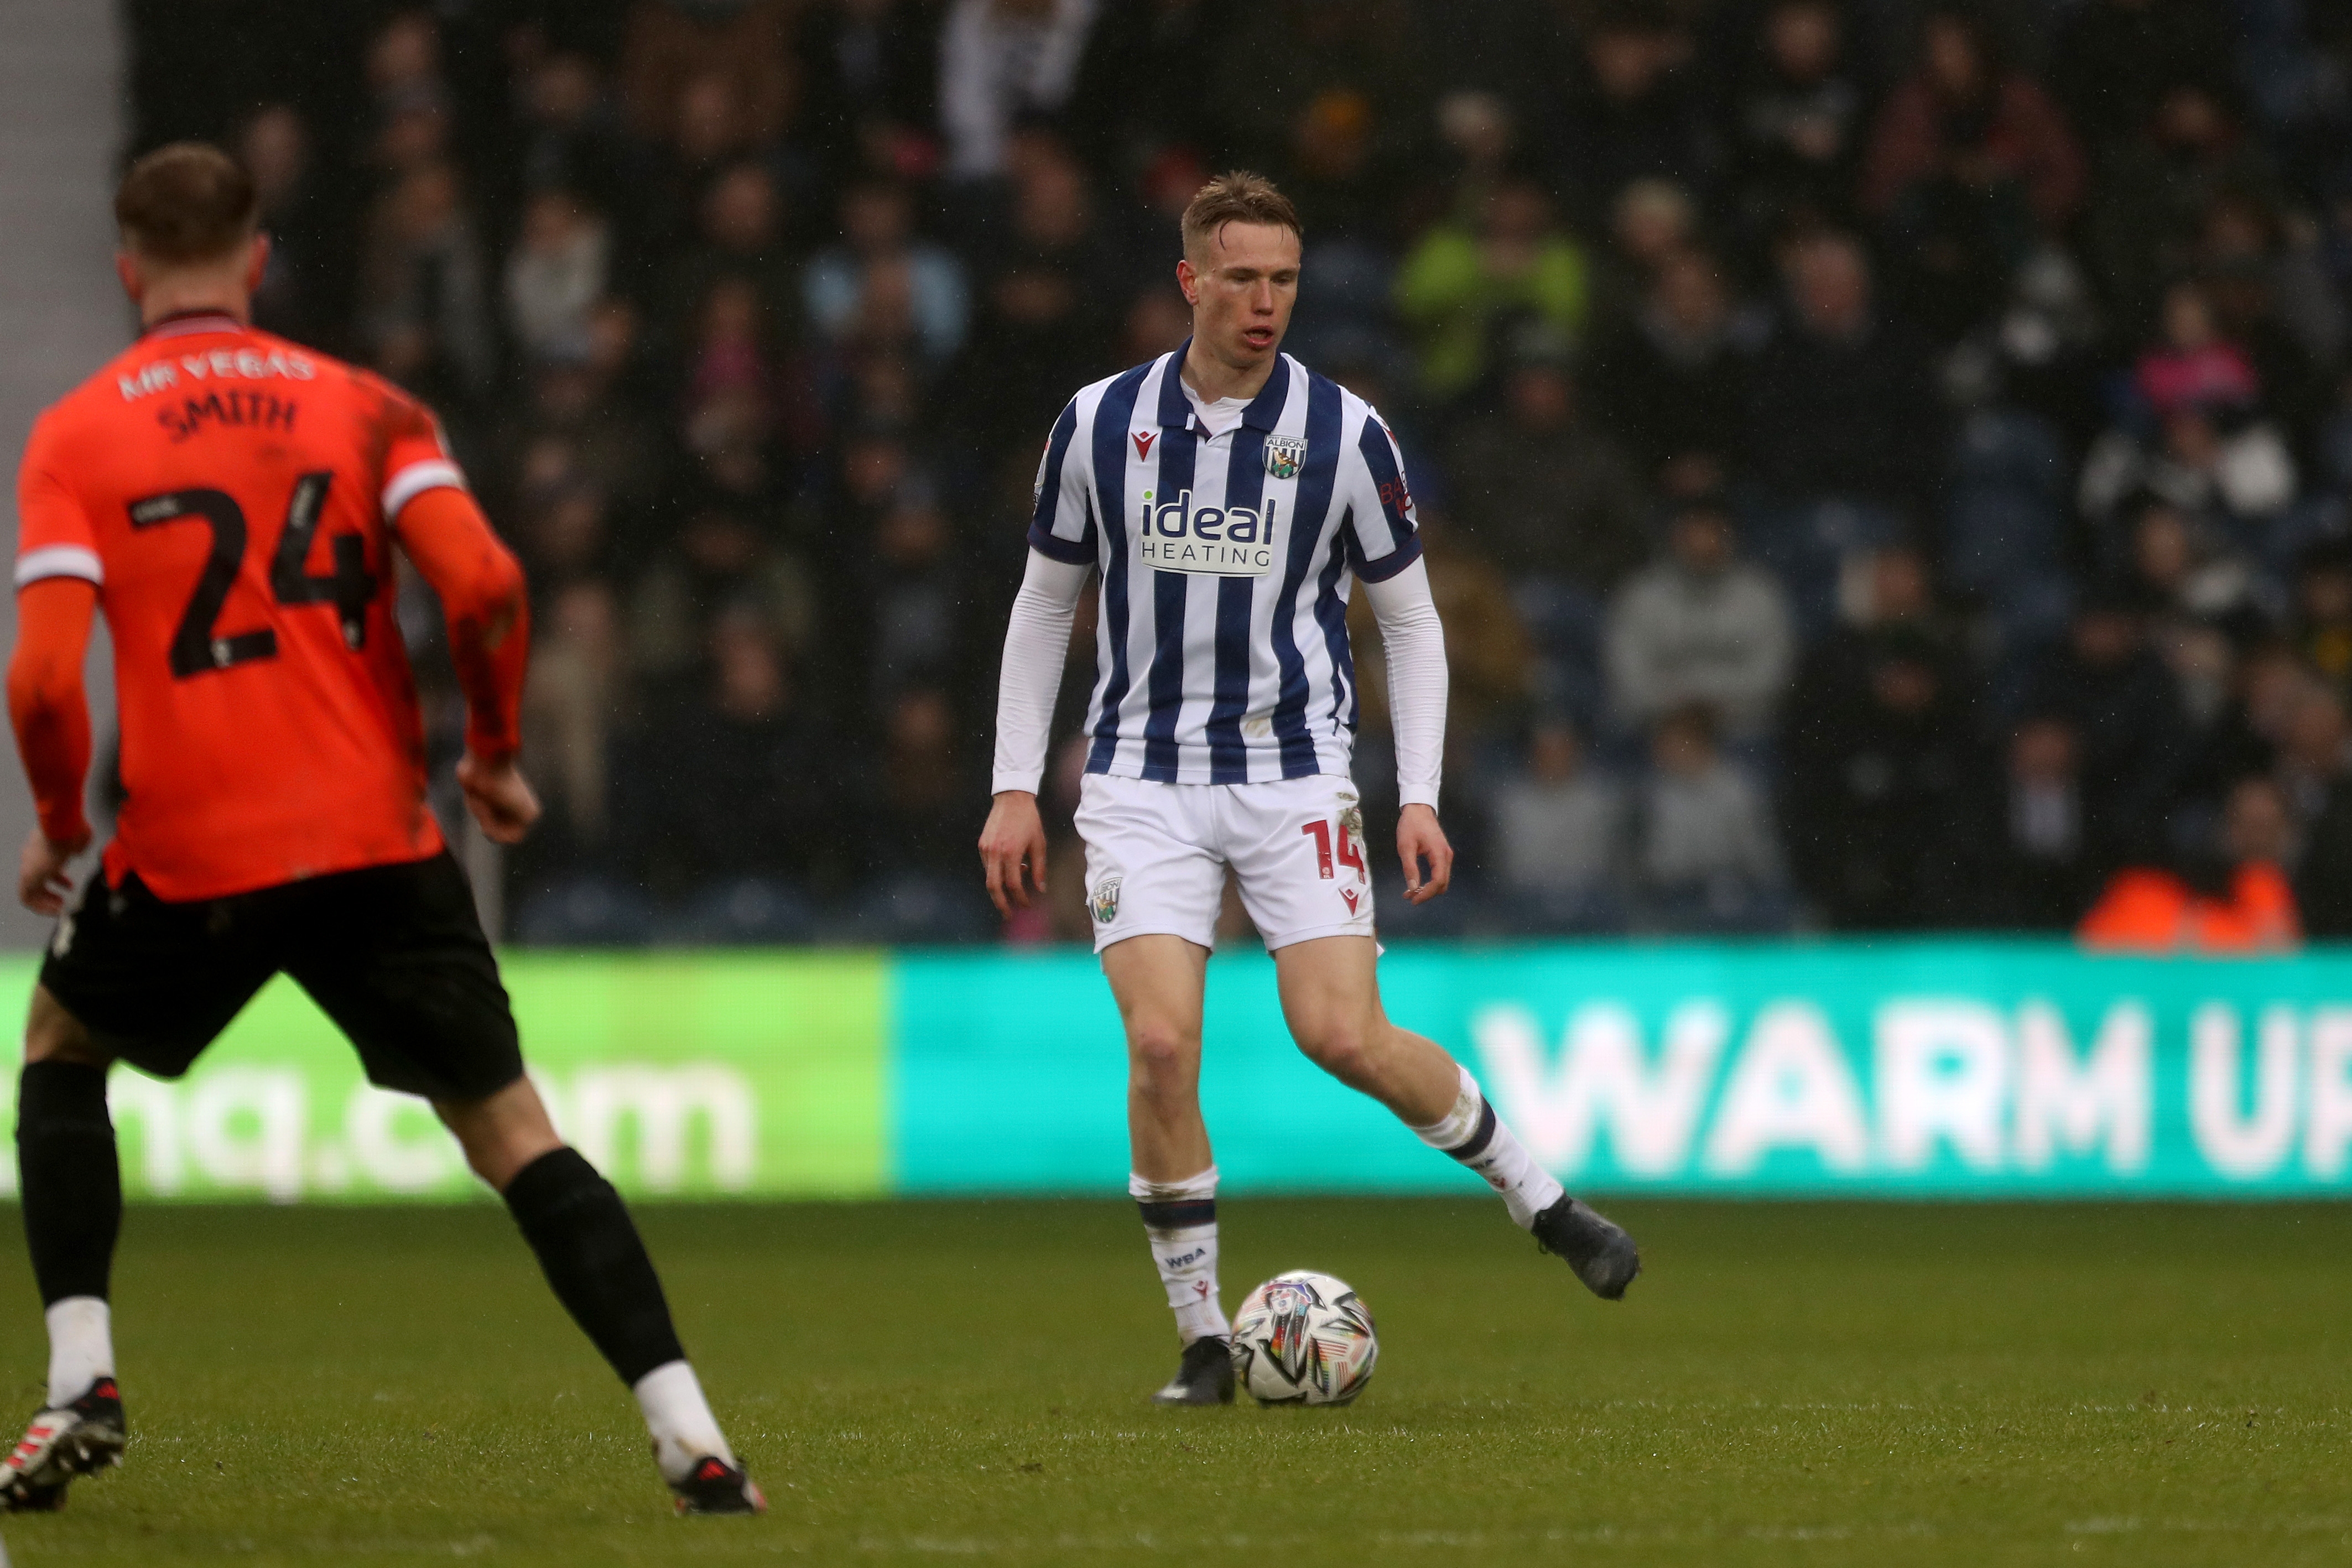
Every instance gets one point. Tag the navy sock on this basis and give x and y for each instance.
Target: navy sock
(592, 1257)
(71, 1184)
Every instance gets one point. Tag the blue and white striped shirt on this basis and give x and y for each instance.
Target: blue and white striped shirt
(1221, 651)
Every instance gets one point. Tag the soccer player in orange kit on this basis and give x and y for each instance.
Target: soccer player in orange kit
(231, 501)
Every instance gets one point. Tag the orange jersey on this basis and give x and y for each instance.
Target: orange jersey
(233, 497)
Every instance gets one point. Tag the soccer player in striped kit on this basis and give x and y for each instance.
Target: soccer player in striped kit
(1228, 496)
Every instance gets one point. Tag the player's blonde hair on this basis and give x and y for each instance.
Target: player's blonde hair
(1238, 197)
(186, 203)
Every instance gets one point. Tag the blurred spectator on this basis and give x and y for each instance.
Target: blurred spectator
(2271, 291)
(1048, 303)
(2212, 456)
(1707, 854)
(555, 276)
(1633, 113)
(2315, 754)
(571, 139)
(714, 78)
(305, 295)
(1678, 380)
(1516, 275)
(424, 302)
(1699, 626)
(2323, 610)
(1542, 493)
(739, 779)
(1138, 102)
(1843, 405)
(869, 72)
(1651, 222)
(1883, 793)
(2323, 879)
(1561, 836)
(919, 818)
(740, 236)
(2039, 875)
(1485, 643)
(1000, 60)
(2236, 901)
(2125, 711)
(917, 593)
(2141, 227)
(1797, 123)
(575, 703)
(847, 285)
(2181, 570)
(1971, 120)
(2115, 60)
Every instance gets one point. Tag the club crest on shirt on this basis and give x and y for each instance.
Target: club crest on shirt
(1285, 455)
(1104, 904)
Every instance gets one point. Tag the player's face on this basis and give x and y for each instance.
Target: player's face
(1242, 290)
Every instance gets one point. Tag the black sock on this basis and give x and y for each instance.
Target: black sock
(589, 1247)
(66, 1172)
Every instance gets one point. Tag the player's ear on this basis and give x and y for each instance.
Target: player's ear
(126, 268)
(1189, 281)
(257, 262)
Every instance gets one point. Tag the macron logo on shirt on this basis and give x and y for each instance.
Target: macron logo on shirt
(1143, 440)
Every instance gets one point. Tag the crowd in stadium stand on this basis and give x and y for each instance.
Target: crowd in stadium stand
(1883, 464)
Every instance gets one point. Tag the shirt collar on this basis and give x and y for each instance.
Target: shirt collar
(1264, 412)
(190, 323)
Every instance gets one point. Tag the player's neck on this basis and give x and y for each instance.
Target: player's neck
(1214, 379)
(193, 296)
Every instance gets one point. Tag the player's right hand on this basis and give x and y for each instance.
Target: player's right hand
(41, 884)
(1013, 839)
(499, 797)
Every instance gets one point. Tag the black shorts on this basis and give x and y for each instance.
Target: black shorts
(394, 954)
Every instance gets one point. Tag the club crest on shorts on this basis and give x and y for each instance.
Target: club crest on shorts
(1285, 455)
(1104, 904)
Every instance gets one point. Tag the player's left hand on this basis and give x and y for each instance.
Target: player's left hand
(41, 884)
(499, 797)
(1419, 837)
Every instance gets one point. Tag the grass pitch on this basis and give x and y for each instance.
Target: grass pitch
(966, 1382)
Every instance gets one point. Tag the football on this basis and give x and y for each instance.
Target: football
(1304, 1338)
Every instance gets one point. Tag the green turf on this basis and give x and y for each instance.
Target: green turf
(930, 1382)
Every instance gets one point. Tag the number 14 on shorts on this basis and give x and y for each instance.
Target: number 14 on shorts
(1347, 843)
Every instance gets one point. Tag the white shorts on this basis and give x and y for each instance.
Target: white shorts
(1157, 853)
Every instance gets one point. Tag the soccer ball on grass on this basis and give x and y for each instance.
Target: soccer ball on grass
(1303, 1338)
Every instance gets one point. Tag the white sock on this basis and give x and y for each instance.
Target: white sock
(1180, 1218)
(684, 1430)
(1474, 1135)
(81, 1347)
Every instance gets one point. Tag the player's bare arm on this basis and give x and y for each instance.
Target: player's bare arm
(1012, 851)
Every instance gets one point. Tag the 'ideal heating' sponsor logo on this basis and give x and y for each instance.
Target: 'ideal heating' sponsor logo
(1221, 541)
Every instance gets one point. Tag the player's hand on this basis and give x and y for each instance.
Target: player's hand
(1013, 839)
(499, 797)
(1419, 837)
(41, 884)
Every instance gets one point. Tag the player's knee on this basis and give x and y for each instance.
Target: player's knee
(1161, 1052)
(53, 1034)
(1341, 1045)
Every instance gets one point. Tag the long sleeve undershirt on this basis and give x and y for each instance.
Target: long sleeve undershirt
(1037, 641)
